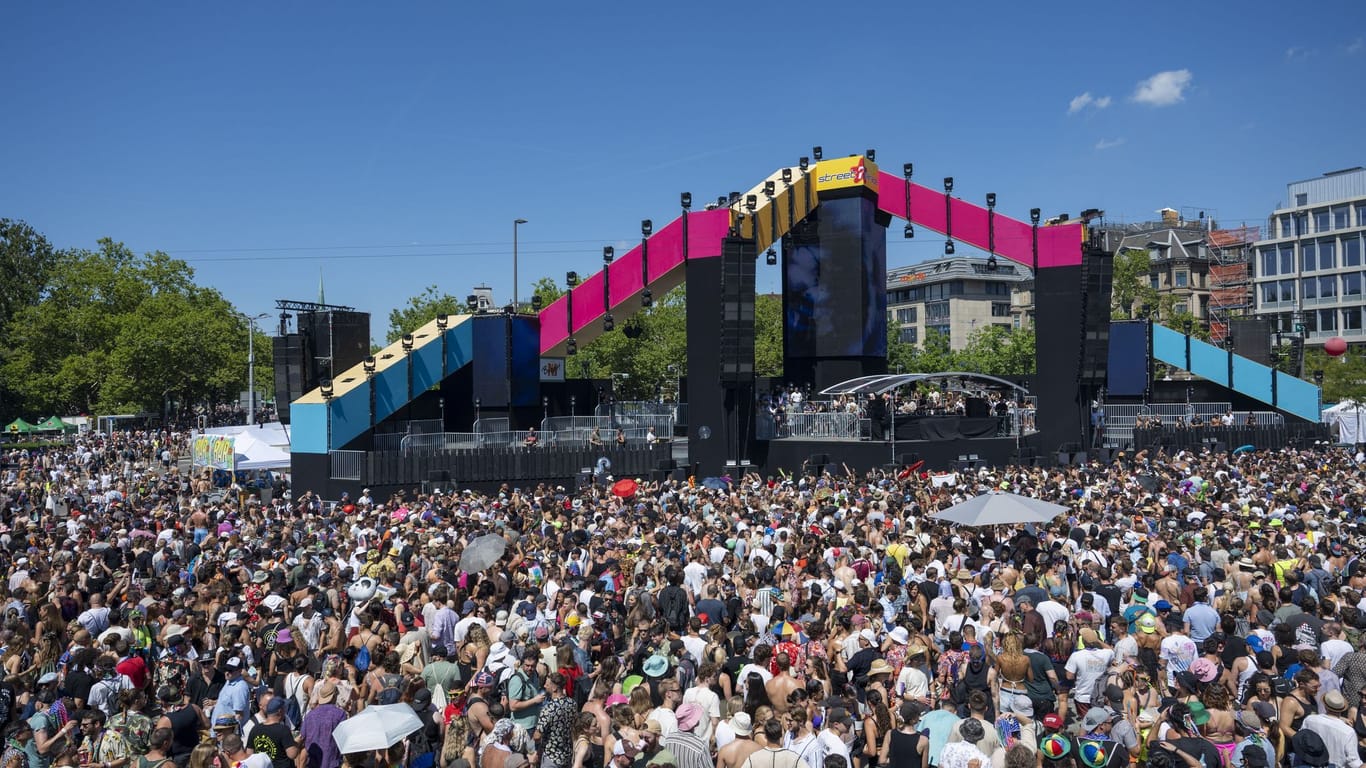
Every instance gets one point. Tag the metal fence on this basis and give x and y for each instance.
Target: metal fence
(836, 426)
(496, 424)
(469, 441)
(1120, 418)
(346, 465)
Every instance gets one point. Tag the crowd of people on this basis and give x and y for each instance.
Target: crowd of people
(907, 401)
(1185, 610)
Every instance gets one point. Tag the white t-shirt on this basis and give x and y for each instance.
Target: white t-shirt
(1052, 613)
(912, 683)
(710, 703)
(1087, 665)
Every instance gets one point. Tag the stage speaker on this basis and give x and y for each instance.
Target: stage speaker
(287, 359)
(1097, 281)
(1252, 339)
(977, 407)
(438, 475)
(815, 463)
(736, 344)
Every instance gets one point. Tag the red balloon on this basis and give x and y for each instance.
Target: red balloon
(1335, 346)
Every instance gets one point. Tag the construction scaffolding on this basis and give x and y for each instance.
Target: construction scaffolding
(1230, 277)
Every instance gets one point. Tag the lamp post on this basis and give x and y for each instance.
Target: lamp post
(251, 364)
(515, 223)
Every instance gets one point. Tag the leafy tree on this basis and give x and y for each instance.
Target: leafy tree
(115, 332)
(1130, 288)
(26, 260)
(1344, 377)
(998, 351)
(420, 310)
(934, 354)
(768, 335)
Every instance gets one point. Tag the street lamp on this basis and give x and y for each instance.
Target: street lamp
(515, 223)
(251, 364)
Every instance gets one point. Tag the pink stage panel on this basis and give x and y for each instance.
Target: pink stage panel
(706, 230)
(1059, 246)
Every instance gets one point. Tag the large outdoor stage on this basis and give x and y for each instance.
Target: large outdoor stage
(860, 456)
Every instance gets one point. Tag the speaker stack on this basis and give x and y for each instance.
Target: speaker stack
(737, 312)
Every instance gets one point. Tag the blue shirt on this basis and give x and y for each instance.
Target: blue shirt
(1204, 621)
(234, 699)
(938, 724)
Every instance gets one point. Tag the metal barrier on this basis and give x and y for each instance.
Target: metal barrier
(468, 441)
(1121, 418)
(346, 465)
(842, 426)
(455, 468)
(498, 424)
(642, 414)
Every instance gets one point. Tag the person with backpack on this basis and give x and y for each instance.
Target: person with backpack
(184, 720)
(1089, 667)
(296, 689)
(385, 683)
(523, 693)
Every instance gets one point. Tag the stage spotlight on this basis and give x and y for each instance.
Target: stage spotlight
(536, 302)
(817, 153)
(571, 348)
(407, 342)
(770, 187)
(721, 201)
(443, 320)
(734, 198)
(871, 155)
(1034, 214)
(751, 201)
(948, 184)
(907, 169)
(991, 200)
(646, 298)
(908, 232)
(991, 263)
(571, 279)
(608, 253)
(685, 200)
(325, 388)
(509, 309)
(771, 258)
(787, 175)
(647, 227)
(472, 303)
(608, 323)
(948, 247)
(369, 365)
(803, 163)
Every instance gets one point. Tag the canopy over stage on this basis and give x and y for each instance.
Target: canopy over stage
(886, 382)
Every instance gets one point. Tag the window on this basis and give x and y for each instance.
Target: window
(1287, 226)
(1328, 254)
(1340, 217)
(1301, 198)
(1002, 326)
(937, 311)
(916, 294)
(1351, 251)
(1301, 224)
(1180, 308)
(1287, 290)
(907, 315)
(1309, 260)
(996, 289)
(1351, 285)
(1328, 319)
(1153, 280)
(1000, 309)
(1361, 214)
(1269, 293)
(1182, 279)
(1328, 287)
(1267, 260)
(1311, 321)
(943, 330)
(1309, 288)
(910, 335)
(1322, 221)
(1351, 319)
(1287, 259)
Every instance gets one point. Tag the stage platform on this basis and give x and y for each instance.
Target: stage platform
(790, 453)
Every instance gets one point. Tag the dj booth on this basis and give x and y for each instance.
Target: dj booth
(912, 427)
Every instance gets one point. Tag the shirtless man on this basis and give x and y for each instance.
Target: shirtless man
(781, 685)
(734, 754)
(1168, 587)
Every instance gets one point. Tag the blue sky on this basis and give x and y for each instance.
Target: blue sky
(391, 145)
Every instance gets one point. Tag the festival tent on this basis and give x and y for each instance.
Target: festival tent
(271, 433)
(1349, 417)
(54, 424)
(21, 426)
(251, 452)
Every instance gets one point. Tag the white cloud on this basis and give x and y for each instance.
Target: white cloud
(1164, 88)
(1355, 47)
(1085, 100)
(1105, 144)
(1297, 52)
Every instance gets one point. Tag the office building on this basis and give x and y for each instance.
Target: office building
(1308, 271)
(955, 296)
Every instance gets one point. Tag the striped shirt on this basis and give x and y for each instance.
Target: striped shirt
(689, 749)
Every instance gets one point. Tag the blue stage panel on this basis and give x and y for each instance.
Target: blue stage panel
(391, 390)
(308, 428)
(1128, 359)
(350, 416)
(1252, 378)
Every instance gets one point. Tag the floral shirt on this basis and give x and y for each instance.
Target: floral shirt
(136, 729)
(556, 725)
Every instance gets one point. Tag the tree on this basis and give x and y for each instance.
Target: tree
(115, 332)
(1130, 287)
(998, 351)
(934, 354)
(420, 310)
(26, 260)
(768, 335)
(1344, 377)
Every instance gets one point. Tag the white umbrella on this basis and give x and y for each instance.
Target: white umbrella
(999, 508)
(482, 553)
(378, 726)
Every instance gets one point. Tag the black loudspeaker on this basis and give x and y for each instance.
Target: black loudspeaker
(977, 408)
(816, 463)
(737, 312)
(1098, 268)
(333, 341)
(1252, 339)
(287, 358)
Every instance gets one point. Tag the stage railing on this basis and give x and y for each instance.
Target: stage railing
(346, 465)
(495, 424)
(640, 413)
(1121, 418)
(468, 441)
(456, 468)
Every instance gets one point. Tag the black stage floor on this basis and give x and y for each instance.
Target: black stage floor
(790, 454)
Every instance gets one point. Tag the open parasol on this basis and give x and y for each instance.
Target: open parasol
(482, 553)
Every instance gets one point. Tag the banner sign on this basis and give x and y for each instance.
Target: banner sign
(552, 369)
(212, 451)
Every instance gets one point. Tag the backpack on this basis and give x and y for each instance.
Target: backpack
(293, 714)
(390, 693)
(583, 689)
(504, 676)
(363, 658)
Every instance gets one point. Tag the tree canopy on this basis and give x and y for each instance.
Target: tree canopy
(420, 310)
(110, 331)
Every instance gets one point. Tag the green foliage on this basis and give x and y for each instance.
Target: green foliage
(1344, 377)
(1130, 288)
(115, 332)
(420, 310)
(991, 350)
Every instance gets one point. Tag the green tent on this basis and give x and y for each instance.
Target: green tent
(19, 426)
(54, 424)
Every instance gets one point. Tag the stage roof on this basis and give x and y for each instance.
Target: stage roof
(876, 385)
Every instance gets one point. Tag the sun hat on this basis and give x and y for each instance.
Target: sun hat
(688, 716)
(879, 667)
(1204, 670)
(655, 666)
(899, 635)
(1055, 746)
(1147, 623)
(615, 699)
(1093, 754)
(741, 724)
(1199, 715)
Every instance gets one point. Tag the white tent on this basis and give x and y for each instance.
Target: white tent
(271, 433)
(1349, 417)
(251, 452)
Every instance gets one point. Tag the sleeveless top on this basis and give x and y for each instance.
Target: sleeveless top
(902, 750)
(184, 731)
